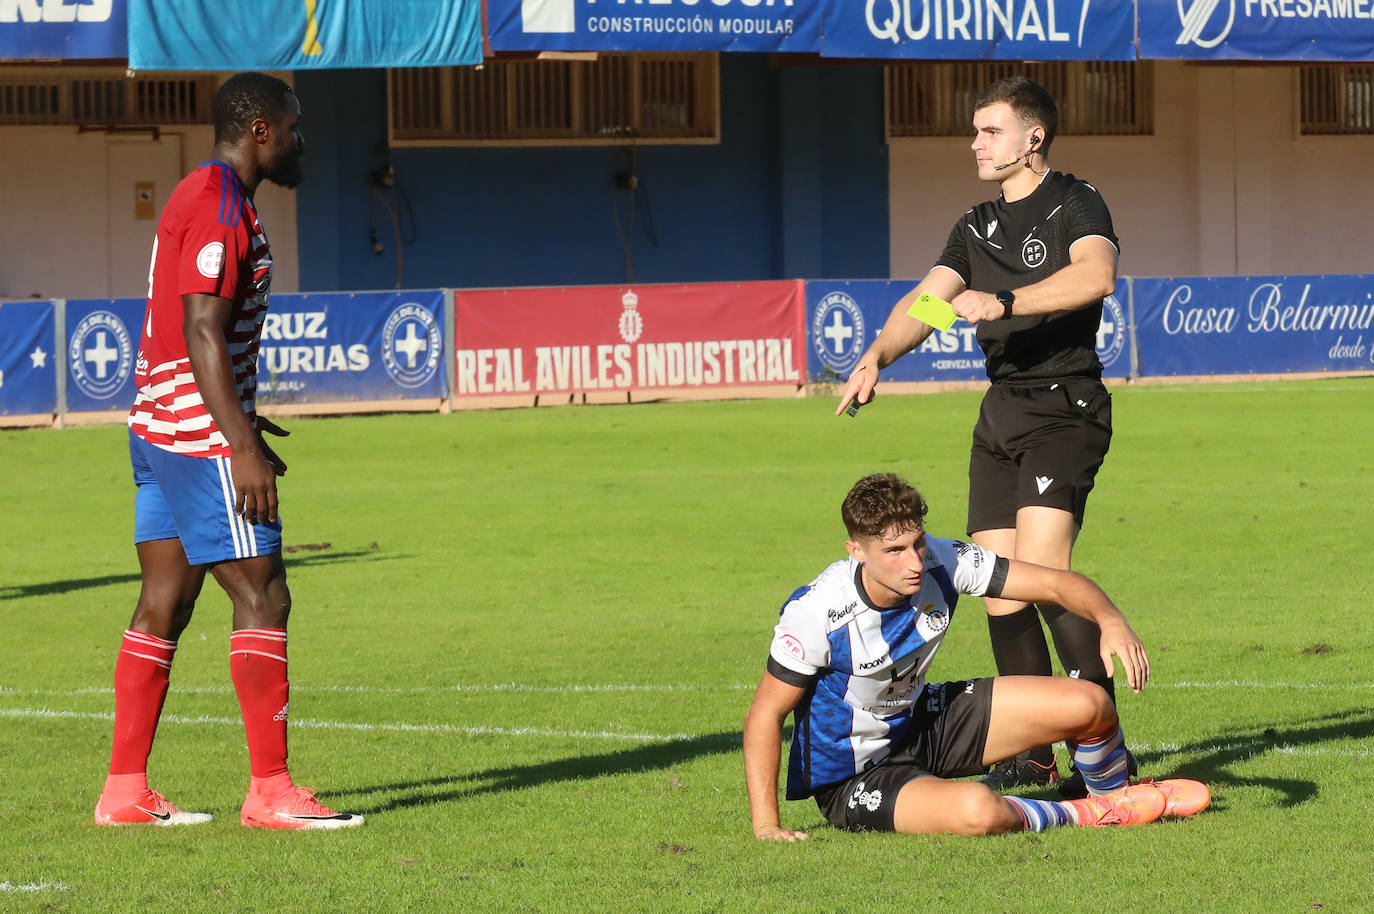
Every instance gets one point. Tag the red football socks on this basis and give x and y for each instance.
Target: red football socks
(257, 662)
(140, 685)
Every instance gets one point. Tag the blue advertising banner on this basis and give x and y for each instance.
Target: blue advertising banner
(28, 365)
(343, 347)
(655, 25)
(980, 29)
(1254, 324)
(63, 29)
(1257, 29)
(102, 344)
(843, 319)
(302, 34)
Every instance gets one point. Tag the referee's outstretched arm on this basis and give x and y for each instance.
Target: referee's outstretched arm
(901, 334)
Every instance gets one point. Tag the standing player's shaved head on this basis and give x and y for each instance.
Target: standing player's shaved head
(244, 98)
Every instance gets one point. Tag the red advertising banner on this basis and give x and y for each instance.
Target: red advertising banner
(622, 338)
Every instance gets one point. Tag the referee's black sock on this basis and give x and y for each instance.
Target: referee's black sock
(1078, 642)
(1019, 648)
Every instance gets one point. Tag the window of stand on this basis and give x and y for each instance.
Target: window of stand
(96, 97)
(1095, 98)
(614, 99)
(1336, 100)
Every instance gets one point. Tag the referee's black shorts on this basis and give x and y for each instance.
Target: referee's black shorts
(1037, 445)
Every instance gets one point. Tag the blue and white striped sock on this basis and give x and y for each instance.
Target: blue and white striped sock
(1039, 815)
(1102, 762)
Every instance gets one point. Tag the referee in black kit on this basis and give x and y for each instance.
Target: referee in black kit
(1030, 269)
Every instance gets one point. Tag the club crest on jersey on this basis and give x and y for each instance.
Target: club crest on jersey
(1033, 252)
(411, 347)
(837, 331)
(100, 355)
(934, 620)
(793, 647)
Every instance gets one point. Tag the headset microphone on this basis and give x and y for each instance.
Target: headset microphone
(1030, 148)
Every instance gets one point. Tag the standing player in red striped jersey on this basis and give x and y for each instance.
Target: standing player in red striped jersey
(207, 494)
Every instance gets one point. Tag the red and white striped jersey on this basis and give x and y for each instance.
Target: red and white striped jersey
(209, 241)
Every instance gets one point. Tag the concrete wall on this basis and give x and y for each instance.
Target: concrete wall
(796, 188)
(802, 184)
(1225, 186)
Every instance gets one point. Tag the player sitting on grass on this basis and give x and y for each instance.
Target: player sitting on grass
(874, 742)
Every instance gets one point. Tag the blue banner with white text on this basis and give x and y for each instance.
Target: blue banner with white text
(63, 29)
(1257, 29)
(28, 365)
(980, 29)
(303, 34)
(843, 320)
(659, 25)
(1255, 324)
(339, 347)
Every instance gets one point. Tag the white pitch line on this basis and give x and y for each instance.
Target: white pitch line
(503, 687)
(8, 886)
(312, 724)
(595, 688)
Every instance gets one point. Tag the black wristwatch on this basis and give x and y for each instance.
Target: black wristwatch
(1007, 299)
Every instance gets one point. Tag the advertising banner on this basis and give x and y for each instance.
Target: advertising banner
(343, 347)
(1254, 324)
(28, 365)
(656, 25)
(102, 344)
(843, 320)
(620, 338)
(980, 29)
(63, 29)
(302, 34)
(1257, 29)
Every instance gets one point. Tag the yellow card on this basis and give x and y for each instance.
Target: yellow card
(934, 311)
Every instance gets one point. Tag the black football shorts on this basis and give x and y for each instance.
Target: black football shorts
(1038, 445)
(948, 735)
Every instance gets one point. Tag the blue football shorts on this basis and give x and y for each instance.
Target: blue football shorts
(192, 499)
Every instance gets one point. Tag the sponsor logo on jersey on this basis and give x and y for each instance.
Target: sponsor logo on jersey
(100, 355)
(837, 615)
(411, 348)
(210, 260)
(868, 799)
(1111, 332)
(873, 664)
(1033, 252)
(837, 331)
(793, 646)
(1043, 482)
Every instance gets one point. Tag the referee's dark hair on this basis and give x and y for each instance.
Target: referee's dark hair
(1031, 101)
(882, 502)
(244, 98)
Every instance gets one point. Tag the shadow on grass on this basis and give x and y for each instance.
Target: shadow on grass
(50, 588)
(1212, 759)
(575, 768)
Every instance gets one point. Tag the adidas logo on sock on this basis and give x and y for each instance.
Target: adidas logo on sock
(281, 715)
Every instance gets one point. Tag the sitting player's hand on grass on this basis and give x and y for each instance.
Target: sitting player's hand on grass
(778, 833)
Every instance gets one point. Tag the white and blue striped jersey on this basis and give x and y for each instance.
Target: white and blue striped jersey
(864, 668)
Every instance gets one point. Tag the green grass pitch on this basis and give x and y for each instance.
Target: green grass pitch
(527, 650)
